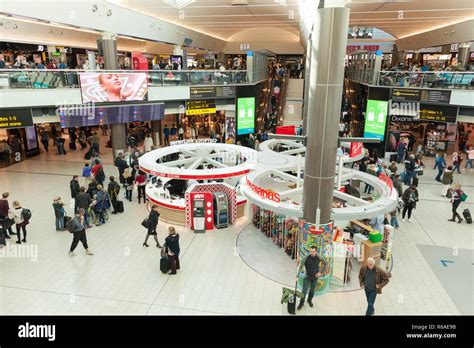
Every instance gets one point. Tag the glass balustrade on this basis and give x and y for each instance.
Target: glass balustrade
(16, 78)
(430, 79)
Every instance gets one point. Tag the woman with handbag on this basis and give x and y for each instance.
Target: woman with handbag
(151, 223)
(172, 249)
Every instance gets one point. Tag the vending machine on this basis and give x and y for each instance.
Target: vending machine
(221, 210)
(199, 215)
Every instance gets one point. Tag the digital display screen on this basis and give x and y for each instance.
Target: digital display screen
(31, 138)
(375, 119)
(245, 115)
(15, 118)
(93, 116)
(108, 87)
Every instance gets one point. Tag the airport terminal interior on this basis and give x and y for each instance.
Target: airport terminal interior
(236, 157)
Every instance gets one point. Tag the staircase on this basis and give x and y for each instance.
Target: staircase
(293, 111)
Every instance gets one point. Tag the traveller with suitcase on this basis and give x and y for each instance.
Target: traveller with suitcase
(114, 189)
(457, 197)
(150, 224)
(172, 249)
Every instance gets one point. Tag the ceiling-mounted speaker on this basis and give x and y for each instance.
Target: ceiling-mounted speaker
(187, 41)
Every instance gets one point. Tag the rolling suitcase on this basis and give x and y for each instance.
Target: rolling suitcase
(164, 264)
(2, 239)
(291, 306)
(415, 181)
(88, 154)
(66, 220)
(119, 207)
(467, 216)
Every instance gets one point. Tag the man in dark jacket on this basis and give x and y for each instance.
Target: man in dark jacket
(372, 279)
(74, 186)
(113, 189)
(83, 200)
(312, 271)
(121, 165)
(5, 222)
(397, 184)
(410, 166)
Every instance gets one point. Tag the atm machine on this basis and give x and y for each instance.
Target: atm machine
(221, 210)
(199, 215)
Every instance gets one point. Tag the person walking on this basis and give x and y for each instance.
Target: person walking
(74, 186)
(447, 180)
(470, 157)
(409, 198)
(98, 172)
(82, 201)
(113, 189)
(166, 133)
(5, 222)
(372, 279)
(440, 163)
(181, 132)
(172, 249)
(44, 139)
(148, 143)
(59, 213)
(94, 140)
(128, 177)
(140, 181)
(456, 200)
(79, 232)
(86, 174)
(311, 266)
(17, 215)
(457, 160)
(103, 203)
(410, 166)
(121, 165)
(401, 151)
(152, 224)
(173, 132)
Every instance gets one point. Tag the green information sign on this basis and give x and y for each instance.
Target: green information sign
(245, 115)
(375, 119)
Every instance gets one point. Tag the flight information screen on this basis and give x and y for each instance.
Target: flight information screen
(93, 116)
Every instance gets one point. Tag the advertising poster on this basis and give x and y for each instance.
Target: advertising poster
(245, 115)
(375, 119)
(230, 130)
(322, 239)
(107, 87)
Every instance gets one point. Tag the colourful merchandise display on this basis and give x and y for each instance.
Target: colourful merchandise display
(375, 237)
(282, 230)
(321, 238)
(387, 245)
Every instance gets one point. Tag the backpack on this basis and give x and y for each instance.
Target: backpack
(70, 226)
(26, 214)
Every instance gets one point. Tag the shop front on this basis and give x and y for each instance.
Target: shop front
(427, 127)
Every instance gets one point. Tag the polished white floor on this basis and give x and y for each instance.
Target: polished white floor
(122, 277)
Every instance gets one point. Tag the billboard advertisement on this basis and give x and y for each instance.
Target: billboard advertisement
(113, 87)
(375, 119)
(245, 115)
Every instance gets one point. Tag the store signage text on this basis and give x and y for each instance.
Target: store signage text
(370, 48)
(264, 193)
(192, 141)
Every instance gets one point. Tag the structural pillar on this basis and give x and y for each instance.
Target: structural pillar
(108, 42)
(324, 107)
(156, 132)
(464, 54)
(377, 66)
(307, 74)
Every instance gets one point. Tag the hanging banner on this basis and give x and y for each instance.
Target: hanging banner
(387, 246)
(356, 149)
